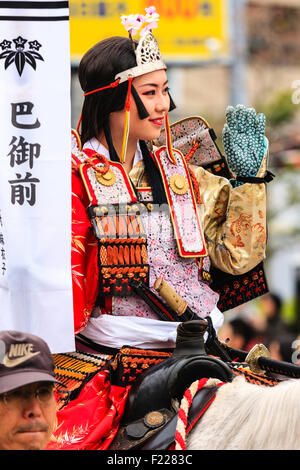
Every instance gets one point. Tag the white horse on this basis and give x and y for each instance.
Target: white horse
(244, 416)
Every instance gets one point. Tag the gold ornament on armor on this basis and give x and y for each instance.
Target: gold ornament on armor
(107, 179)
(179, 184)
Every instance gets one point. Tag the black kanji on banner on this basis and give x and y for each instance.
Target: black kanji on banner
(23, 53)
(24, 189)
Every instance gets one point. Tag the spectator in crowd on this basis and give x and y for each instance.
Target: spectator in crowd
(271, 305)
(283, 347)
(27, 401)
(238, 334)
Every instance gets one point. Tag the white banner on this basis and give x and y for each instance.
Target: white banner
(35, 180)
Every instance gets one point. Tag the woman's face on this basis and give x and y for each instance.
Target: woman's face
(152, 89)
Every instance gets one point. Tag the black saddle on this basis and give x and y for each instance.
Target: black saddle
(154, 398)
(163, 383)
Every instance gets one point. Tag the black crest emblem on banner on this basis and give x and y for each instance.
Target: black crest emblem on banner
(24, 52)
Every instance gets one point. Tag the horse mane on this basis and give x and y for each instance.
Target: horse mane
(246, 416)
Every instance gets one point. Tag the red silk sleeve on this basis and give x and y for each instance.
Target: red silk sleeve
(85, 274)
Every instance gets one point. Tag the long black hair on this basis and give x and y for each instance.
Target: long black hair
(97, 69)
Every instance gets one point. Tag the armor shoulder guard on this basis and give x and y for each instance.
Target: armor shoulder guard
(196, 140)
(76, 148)
(75, 140)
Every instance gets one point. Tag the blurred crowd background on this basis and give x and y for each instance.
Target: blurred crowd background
(230, 52)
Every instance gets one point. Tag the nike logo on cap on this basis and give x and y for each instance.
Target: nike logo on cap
(18, 354)
(19, 360)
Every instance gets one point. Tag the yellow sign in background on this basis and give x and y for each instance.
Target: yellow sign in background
(188, 30)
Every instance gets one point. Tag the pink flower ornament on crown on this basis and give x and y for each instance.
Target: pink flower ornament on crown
(132, 23)
(148, 56)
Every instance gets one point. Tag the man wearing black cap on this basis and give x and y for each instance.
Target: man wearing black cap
(27, 401)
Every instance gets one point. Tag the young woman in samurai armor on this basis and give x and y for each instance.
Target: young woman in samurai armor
(143, 211)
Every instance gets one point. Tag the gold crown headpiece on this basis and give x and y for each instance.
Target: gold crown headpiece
(148, 56)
